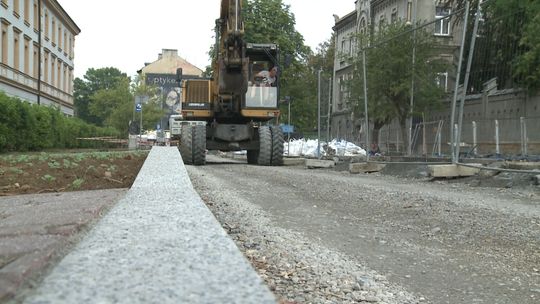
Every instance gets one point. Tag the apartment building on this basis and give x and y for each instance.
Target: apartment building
(27, 38)
(367, 17)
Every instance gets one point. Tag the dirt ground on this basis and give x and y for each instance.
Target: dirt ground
(324, 236)
(61, 172)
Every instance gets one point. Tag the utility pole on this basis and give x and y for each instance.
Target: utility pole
(456, 88)
(366, 103)
(39, 55)
(319, 114)
(414, 8)
(329, 109)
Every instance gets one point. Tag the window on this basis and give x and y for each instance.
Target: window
(59, 36)
(59, 74)
(363, 26)
(442, 81)
(393, 17)
(26, 55)
(65, 78)
(16, 48)
(70, 47)
(46, 66)
(64, 42)
(36, 16)
(16, 8)
(36, 60)
(46, 25)
(70, 82)
(409, 11)
(53, 32)
(4, 44)
(343, 45)
(442, 26)
(382, 21)
(53, 69)
(351, 45)
(27, 11)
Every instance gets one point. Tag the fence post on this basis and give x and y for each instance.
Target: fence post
(474, 138)
(397, 141)
(439, 141)
(524, 151)
(454, 144)
(497, 146)
(424, 144)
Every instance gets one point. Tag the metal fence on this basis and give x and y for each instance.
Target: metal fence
(507, 137)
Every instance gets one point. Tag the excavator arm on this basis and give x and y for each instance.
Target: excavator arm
(231, 63)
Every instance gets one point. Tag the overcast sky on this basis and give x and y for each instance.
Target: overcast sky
(127, 33)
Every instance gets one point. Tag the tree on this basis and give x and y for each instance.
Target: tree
(271, 21)
(116, 105)
(94, 81)
(390, 72)
(508, 45)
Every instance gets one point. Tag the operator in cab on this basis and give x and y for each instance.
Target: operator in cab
(268, 77)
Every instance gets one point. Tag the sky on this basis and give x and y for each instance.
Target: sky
(127, 33)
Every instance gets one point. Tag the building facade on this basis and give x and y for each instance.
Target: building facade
(162, 74)
(28, 38)
(367, 17)
(345, 33)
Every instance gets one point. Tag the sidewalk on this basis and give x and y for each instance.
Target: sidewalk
(36, 230)
(158, 244)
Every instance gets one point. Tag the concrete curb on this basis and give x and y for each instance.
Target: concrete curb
(159, 244)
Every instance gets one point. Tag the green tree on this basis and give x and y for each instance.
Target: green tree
(390, 72)
(116, 104)
(94, 81)
(271, 21)
(508, 46)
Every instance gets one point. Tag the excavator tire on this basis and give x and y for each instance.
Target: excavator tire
(277, 146)
(199, 145)
(265, 146)
(186, 144)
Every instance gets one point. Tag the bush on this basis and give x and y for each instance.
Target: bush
(26, 127)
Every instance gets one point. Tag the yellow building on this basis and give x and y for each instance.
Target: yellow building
(162, 74)
(27, 38)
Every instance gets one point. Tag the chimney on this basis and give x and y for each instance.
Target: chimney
(170, 53)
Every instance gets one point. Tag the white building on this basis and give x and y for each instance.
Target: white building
(24, 43)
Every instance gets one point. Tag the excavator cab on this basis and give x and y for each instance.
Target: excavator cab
(262, 95)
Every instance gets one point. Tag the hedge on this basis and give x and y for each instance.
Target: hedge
(30, 127)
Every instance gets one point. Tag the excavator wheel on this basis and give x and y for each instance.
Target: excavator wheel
(277, 146)
(265, 146)
(185, 145)
(199, 145)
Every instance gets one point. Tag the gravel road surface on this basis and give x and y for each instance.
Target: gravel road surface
(321, 236)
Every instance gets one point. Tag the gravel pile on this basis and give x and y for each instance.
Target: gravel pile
(296, 270)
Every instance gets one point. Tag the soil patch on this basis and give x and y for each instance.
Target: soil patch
(61, 172)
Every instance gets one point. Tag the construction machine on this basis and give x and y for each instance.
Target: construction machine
(233, 110)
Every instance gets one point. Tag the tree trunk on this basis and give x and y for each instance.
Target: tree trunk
(377, 126)
(404, 134)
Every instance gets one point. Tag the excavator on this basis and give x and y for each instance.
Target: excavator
(238, 108)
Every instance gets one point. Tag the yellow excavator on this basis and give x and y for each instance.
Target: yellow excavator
(233, 110)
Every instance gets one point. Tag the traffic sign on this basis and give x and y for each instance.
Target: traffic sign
(138, 107)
